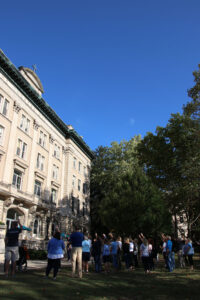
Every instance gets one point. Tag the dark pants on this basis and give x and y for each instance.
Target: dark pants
(145, 260)
(135, 257)
(190, 259)
(97, 260)
(127, 260)
(53, 264)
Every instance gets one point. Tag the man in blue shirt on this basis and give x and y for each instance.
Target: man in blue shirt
(76, 239)
(170, 255)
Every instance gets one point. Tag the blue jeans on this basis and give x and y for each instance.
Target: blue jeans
(170, 261)
(97, 260)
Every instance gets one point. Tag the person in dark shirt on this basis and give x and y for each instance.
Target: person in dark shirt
(76, 239)
(12, 249)
(96, 252)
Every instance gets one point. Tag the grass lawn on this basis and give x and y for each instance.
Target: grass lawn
(123, 285)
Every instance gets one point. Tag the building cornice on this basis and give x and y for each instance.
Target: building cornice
(8, 69)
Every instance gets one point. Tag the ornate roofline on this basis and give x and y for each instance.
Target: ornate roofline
(8, 69)
(27, 71)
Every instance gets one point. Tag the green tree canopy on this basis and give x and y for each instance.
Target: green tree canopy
(123, 198)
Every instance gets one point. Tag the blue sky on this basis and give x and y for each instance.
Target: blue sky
(113, 69)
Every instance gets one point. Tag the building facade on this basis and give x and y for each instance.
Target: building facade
(44, 163)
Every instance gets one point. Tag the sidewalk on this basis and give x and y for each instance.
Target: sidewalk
(36, 265)
(41, 264)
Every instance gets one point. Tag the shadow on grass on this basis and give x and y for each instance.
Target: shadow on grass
(180, 284)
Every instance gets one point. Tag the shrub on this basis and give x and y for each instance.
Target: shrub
(37, 254)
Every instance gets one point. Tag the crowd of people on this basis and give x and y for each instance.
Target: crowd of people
(107, 251)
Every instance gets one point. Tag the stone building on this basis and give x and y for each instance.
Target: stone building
(44, 163)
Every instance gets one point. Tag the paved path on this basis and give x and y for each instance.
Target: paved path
(36, 265)
(41, 264)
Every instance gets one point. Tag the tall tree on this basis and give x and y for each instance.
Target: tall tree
(122, 197)
(172, 159)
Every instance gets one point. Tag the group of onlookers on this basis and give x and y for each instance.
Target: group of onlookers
(104, 249)
(183, 247)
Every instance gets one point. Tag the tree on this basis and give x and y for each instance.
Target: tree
(172, 159)
(122, 197)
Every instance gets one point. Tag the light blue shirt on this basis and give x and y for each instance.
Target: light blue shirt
(86, 246)
(106, 250)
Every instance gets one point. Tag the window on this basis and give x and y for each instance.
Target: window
(83, 209)
(56, 151)
(53, 195)
(40, 162)
(42, 139)
(37, 188)
(79, 166)
(85, 188)
(84, 171)
(37, 228)
(74, 181)
(1, 134)
(74, 163)
(17, 179)
(55, 172)
(21, 149)
(79, 185)
(25, 124)
(3, 105)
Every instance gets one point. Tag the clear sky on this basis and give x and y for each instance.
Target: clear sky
(111, 68)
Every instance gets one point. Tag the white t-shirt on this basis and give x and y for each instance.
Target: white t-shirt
(164, 247)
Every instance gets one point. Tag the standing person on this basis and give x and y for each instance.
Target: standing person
(114, 251)
(12, 247)
(126, 252)
(170, 255)
(151, 254)
(189, 251)
(86, 253)
(180, 246)
(106, 255)
(55, 250)
(131, 251)
(119, 254)
(163, 247)
(135, 253)
(144, 254)
(96, 252)
(76, 239)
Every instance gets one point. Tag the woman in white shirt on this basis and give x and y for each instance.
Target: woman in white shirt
(144, 254)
